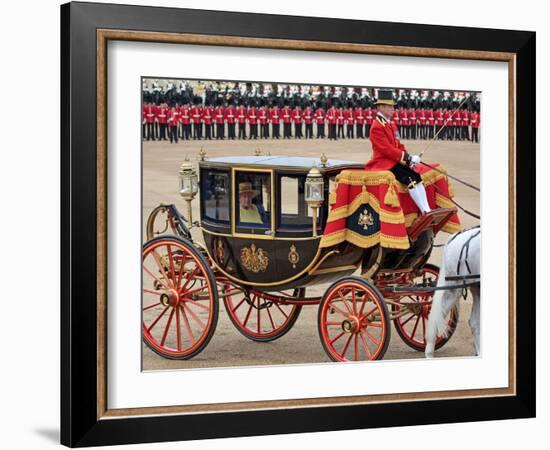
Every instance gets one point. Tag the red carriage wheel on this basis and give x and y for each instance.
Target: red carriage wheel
(258, 316)
(354, 321)
(180, 298)
(412, 318)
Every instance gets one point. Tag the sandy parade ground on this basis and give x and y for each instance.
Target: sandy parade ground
(228, 347)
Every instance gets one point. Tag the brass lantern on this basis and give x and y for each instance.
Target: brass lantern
(315, 193)
(188, 185)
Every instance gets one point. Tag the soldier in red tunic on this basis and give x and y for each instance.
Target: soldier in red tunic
(196, 118)
(332, 119)
(230, 117)
(389, 154)
(412, 123)
(185, 120)
(297, 119)
(162, 118)
(404, 117)
(219, 119)
(308, 120)
(350, 121)
(252, 118)
(475, 120)
(173, 118)
(430, 118)
(359, 121)
(340, 121)
(207, 116)
(241, 119)
(287, 121)
(369, 118)
(263, 118)
(150, 119)
(319, 116)
(465, 125)
(422, 121)
(275, 119)
(439, 119)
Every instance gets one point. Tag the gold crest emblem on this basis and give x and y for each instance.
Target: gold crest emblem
(293, 256)
(366, 220)
(220, 251)
(254, 259)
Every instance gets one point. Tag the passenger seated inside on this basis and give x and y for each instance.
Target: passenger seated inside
(248, 211)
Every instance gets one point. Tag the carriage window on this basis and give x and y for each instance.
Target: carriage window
(215, 195)
(253, 199)
(294, 209)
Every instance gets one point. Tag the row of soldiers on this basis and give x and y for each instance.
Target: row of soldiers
(258, 120)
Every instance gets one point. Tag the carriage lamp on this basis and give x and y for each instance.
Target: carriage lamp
(315, 191)
(188, 186)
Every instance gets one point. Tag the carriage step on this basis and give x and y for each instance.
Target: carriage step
(435, 220)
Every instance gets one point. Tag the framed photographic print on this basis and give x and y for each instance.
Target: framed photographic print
(272, 224)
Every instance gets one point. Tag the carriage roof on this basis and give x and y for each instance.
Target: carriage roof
(299, 163)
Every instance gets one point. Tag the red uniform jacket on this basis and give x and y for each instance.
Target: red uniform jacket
(262, 115)
(340, 116)
(475, 119)
(196, 113)
(430, 117)
(219, 114)
(358, 116)
(230, 114)
(387, 151)
(252, 116)
(319, 116)
(286, 115)
(173, 117)
(241, 114)
(412, 117)
(439, 117)
(422, 117)
(404, 114)
(185, 115)
(308, 116)
(297, 115)
(369, 116)
(207, 115)
(162, 114)
(348, 115)
(150, 111)
(465, 118)
(331, 115)
(275, 115)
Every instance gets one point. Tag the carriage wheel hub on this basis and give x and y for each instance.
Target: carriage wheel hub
(170, 298)
(351, 325)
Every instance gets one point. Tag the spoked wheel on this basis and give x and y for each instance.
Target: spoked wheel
(411, 323)
(354, 321)
(180, 298)
(259, 317)
(160, 222)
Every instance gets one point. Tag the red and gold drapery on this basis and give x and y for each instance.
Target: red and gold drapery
(368, 208)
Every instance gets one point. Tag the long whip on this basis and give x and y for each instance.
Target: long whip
(444, 125)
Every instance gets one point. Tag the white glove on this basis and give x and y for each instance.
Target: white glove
(415, 159)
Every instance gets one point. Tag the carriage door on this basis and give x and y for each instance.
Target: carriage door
(253, 203)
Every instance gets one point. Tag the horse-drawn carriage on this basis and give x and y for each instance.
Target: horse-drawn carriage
(272, 227)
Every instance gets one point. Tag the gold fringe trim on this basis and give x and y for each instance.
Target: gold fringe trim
(364, 241)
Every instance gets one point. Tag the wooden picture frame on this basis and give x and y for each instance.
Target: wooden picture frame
(86, 28)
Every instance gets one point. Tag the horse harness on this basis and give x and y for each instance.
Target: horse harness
(463, 258)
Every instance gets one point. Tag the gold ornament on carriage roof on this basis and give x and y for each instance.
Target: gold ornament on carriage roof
(293, 256)
(257, 152)
(202, 154)
(324, 160)
(366, 219)
(254, 259)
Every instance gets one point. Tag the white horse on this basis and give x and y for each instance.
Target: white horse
(460, 258)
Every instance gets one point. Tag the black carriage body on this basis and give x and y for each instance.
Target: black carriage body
(279, 251)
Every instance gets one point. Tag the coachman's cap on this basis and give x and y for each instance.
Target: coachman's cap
(385, 97)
